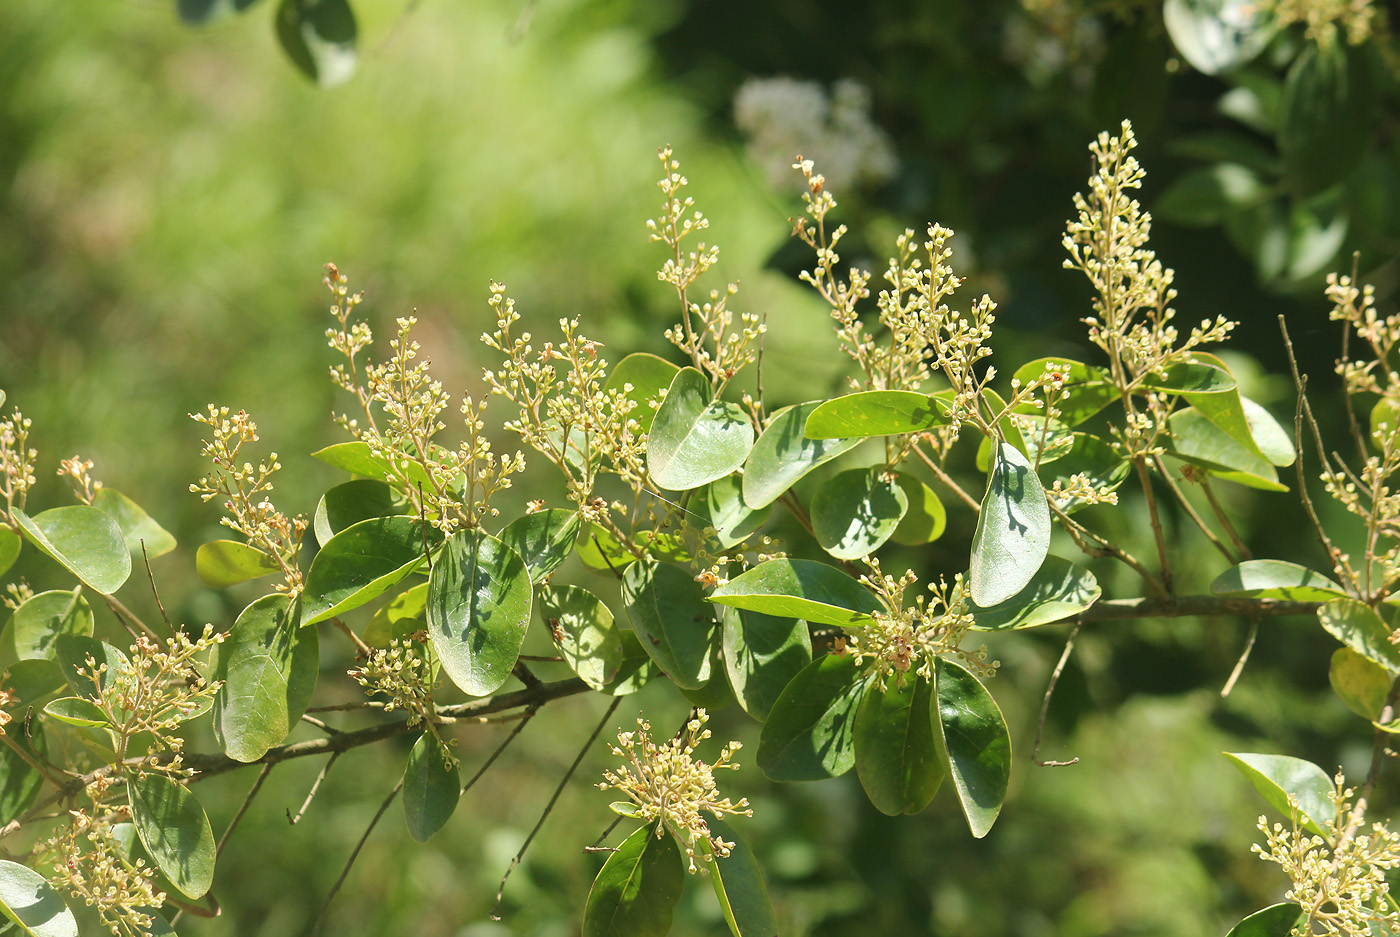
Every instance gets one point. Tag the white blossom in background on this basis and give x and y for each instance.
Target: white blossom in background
(784, 117)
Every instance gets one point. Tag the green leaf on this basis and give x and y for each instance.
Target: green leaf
(1277, 776)
(354, 501)
(479, 599)
(694, 439)
(733, 520)
(784, 454)
(85, 541)
(973, 740)
(636, 670)
(875, 413)
(431, 788)
(319, 36)
(637, 890)
(19, 782)
(399, 617)
(1360, 628)
(1327, 115)
(1385, 420)
(625, 808)
(31, 680)
(1360, 683)
(762, 654)
(1203, 197)
(73, 651)
(1091, 457)
(584, 631)
(30, 902)
(896, 756)
(666, 608)
(738, 883)
(361, 563)
(926, 518)
(1197, 440)
(1013, 530)
(1198, 377)
(716, 693)
(268, 667)
(1058, 590)
(138, 528)
(1274, 921)
(1217, 35)
(1269, 435)
(649, 375)
(10, 543)
(33, 629)
(223, 563)
(543, 539)
(599, 549)
(1275, 579)
(1089, 389)
(805, 589)
(809, 732)
(174, 831)
(856, 511)
(200, 12)
(75, 711)
(356, 458)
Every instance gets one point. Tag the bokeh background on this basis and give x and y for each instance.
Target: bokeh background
(169, 194)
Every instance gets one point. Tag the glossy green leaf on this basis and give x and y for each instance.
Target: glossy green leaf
(268, 667)
(805, 589)
(599, 549)
(174, 831)
(431, 788)
(1199, 377)
(973, 740)
(19, 781)
(29, 902)
(875, 413)
(733, 520)
(1269, 435)
(1362, 684)
(402, 615)
(625, 808)
(1274, 921)
(636, 670)
(1088, 388)
(1360, 628)
(479, 599)
(75, 711)
(738, 883)
(85, 541)
(1058, 590)
(784, 453)
(355, 457)
(73, 651)
(1196, 439)
(1385, 420)
(896, 756)
(1276, 579)
(761, 655)
(33, 629)
(856, 511)
(223, 563)
(138, 528)
(810, 729)
(319, 36)
(1013, 530)
(926, 518)
(648, 376)
(543, 539)
(10, 543)
(1091, 457)
(666, 608)
(636, 892)
(361, 563)
(584, 631)
(1277, 776)
(354, 501)
(31, 680)
(1327, 115)
(694, 439)
(716, 694)
(1217, 35)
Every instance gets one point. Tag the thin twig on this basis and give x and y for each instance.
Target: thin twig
(1240, 547)
(129, 619)
(311, 795)
(1163, 559)
(500, 892)
(1045, 701)
(1380, 745)
(947, 481)
(596, 847)
(362, 650)
(247, 802)
(321, 918)
(154, 591)
(1100, 547)
(1244, 658)
(1191, 511)
(311, 720)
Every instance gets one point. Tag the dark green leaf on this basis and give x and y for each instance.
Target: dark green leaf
(1274, 921)
(584, 631)
(33, 629)
(649, 376)
(599, 549)
(73, 653)
(738, 883)
(10, 543)
(1089, 390)
(876, 413)
(716, 693)
(1058, 590)
(667, 610)
(1327, 115)
(1013, 530)
(762, 654)
(199, 12)
(1217, 35)
(431, 788)
(637, 890)
(1276, 579)
(138, 528)
(1091, 457)
(85, 541)
(543, 539)
(926, 517)
(19, 781)
(76, 711)
(361, 563)
(803, 589)
(733, 520)
(896, 755)
(223, 563)
(1183, 377)
(30, 902)
(479, 599)
(399, 617)
(1277, 776)
(1203, 197)
(973, 740)
(856, 511)
(808, 735)
(268, 667)
(174, 830)
(354, 501)
(1362, 684)
(1358, 626)
(784, 453)
(32, 680)
(319, 36)
(694, 439)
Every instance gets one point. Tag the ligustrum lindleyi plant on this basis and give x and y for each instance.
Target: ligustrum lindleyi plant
(669, 472)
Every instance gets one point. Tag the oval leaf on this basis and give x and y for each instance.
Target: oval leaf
(85, 541)
(583, 629)
(34, 628)
(1013, 530)
(138, 528)
(875, 413)
(73, 651)
(356, 458)
(319, 37)
(762, 654)
(175, 832)
(637, 890)
(1359, 627)
(30, 902)
(10, 543)
(803, 589)
(896, 755)
(808, 735)
(973, 740)
(1058, 590)
(677, 628)
(76, 711)
(733, 520)
(855, 512)
(738, 883)
(784, 453)
(1326, 115)
(1184, 377)
(1217, 35)
(694, 439)
(1274, 921)
(1277, 776)
(224, 563)
(431, 788)
(1360, 683)
(1087, 390)
(479, 599)
(1276, 579)
(1196, 439)
(543, 539)
(359, 564)
(352, 502)
(648, 376)
(926, 518)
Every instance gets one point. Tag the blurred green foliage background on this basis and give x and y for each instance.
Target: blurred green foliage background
(168, 196)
